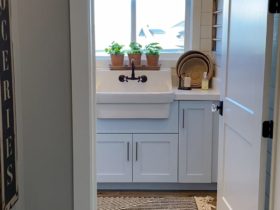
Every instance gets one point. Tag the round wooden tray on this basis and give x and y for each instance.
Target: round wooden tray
(194, 67)
(190, 52)
(190, 57)
(194, 64)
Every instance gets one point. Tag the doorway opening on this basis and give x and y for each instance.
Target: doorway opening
(83, 87)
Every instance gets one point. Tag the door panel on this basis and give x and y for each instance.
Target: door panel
(245, 115)
(242, 152)
(238, 167)
(246, 47)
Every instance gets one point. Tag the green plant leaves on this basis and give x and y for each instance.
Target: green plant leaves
(153, 48)
(135, 48)
(115, 49)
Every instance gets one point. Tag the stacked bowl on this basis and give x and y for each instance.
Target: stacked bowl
(193, 64)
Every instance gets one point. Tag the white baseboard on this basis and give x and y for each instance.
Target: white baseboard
(156, 186)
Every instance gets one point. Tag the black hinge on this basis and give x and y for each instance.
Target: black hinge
(267, 129)
(274, 6)
(221, 108)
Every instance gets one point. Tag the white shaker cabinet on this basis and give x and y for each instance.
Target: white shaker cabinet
(155, 157)
(151, 152)
(114, 157)
(195, 141)
(137, 157)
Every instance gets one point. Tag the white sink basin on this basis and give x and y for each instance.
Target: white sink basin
(158, 81)
(136, 97)
(133, 99)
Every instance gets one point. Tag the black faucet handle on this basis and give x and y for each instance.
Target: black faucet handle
(122, 78)
(143, 78)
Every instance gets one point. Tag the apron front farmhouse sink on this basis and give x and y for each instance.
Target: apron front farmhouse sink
(133, 99)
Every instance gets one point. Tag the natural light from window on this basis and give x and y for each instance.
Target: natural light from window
(112, 23)
(163, 22)
(160, 21)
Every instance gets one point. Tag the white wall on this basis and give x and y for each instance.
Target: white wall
(218, 53)
(18, 102)
(206, 26)
(44, 47)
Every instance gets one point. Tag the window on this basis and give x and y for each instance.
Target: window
(143, 21)
(112, 23)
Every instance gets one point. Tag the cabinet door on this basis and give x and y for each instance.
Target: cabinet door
(114, 157)
(195, 142)
(155, 157)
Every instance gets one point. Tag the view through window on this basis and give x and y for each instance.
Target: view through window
(160, 21)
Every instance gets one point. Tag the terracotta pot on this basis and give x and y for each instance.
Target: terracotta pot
(136, 57)
(152, 60)
(117, 60)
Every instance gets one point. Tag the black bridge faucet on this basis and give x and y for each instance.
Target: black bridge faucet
(123, 78)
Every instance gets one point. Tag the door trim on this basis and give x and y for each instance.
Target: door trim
(225, 39)
(275, 171)
(83, 104)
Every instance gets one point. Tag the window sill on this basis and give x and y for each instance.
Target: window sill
(166, 60)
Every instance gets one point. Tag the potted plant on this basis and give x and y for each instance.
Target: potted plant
(117, 53)
(135, 52)
(152, 51)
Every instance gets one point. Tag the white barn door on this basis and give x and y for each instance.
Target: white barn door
(242, 150)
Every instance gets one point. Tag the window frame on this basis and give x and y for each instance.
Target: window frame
(192, 31)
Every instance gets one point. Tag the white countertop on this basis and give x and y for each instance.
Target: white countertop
(196, 94)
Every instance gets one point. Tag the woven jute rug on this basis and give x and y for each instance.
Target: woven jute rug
(163, 203)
